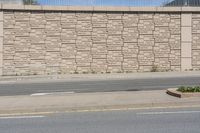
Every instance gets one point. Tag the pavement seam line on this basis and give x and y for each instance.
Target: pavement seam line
(22, 117)
(162, 113)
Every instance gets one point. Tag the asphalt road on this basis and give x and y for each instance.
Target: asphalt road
(10, 89)
(140, 121)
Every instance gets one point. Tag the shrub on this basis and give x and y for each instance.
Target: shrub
(185, 89)
(154, 68)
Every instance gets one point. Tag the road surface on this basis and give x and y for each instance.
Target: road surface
(141, 121)
(10, 89)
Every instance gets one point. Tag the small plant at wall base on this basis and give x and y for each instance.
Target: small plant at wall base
(154, 68)
(30, 2)
(185, 89)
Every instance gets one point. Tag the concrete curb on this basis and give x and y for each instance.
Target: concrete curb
(174, 92)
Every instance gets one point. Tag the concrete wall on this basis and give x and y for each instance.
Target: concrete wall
(1, 42)
(55, 40)
(196, 41)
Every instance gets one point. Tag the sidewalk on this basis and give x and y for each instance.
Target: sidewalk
(63, 102)
(85, 77)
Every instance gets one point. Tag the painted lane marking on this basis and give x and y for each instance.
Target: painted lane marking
(176, 112)
(22, 117)
(40, 94)
(53, 93)
(28, 114)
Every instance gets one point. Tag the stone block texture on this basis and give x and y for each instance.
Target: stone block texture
(196, 41)
(1, 42)
(47, 42)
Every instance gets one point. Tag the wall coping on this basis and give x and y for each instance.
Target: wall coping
(98, 8)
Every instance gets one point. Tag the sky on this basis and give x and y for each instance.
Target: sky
(105, 2)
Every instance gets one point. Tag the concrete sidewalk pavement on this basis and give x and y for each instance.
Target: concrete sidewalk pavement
(96, 77)
(65, 102)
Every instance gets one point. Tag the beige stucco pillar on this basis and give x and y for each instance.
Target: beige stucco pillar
(1, 42)
(186, 41)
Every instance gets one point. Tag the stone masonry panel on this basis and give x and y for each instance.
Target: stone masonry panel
(196, 41)
(48, 42)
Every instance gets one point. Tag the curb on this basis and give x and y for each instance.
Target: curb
(174, 92)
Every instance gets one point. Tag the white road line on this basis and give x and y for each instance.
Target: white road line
(176, 112)
(22, 117)
(53, 93)
(40, 94)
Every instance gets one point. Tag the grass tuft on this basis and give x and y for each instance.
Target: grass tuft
(185, 89)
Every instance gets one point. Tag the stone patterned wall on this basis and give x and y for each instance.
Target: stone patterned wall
(1, 42)
(196, 41)
(43, 42)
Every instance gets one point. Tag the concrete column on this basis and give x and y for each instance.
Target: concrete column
(186, 41)
(1, 43)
